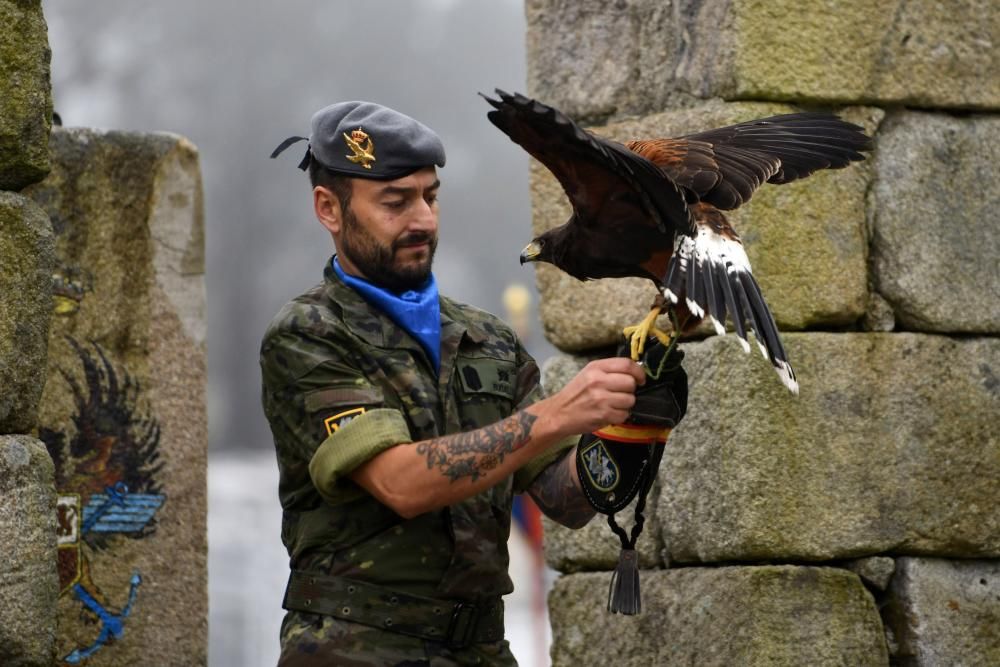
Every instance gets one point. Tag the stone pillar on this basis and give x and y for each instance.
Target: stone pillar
(28, 580)
(875, 485)
(27, 258)
(25, 94)
(123, 413)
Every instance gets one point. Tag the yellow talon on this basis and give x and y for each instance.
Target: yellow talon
(638, 334)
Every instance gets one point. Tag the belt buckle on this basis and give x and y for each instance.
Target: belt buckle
(459, 634)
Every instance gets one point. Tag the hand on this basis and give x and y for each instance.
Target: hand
(602, 393)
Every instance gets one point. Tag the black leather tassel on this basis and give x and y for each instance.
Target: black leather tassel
(624, 596)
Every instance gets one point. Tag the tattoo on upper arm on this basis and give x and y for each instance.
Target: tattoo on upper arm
(557, 494)
(474, 453)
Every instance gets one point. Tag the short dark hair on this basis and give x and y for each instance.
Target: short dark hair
(340, 185)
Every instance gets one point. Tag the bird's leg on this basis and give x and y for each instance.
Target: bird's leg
(638, 333)
(673, 339)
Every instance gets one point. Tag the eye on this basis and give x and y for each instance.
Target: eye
(395, 204)
(431, 198)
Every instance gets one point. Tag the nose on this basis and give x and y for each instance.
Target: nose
(425, 217)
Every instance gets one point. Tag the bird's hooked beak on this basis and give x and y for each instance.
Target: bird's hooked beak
(531, 252)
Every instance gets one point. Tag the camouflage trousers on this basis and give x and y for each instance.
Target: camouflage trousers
(313, 640)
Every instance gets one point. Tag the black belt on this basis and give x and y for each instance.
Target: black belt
(457, 624)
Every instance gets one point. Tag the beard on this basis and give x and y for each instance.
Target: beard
(378, 262)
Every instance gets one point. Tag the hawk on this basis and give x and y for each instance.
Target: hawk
(653, 208)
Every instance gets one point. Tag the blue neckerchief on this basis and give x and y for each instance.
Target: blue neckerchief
(417, 311)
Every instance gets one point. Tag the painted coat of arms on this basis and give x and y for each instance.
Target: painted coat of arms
(106, 475)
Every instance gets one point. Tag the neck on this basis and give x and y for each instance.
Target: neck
(348, 267)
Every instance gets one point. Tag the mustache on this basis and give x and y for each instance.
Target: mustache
(414, 238)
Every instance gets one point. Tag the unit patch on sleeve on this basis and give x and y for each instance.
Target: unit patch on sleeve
(334, 423)
(601, 468)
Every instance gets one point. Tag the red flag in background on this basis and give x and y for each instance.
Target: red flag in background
(528, 518)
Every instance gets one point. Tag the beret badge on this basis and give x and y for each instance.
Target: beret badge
(362, 147)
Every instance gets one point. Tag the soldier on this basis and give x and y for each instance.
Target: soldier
(405, 421)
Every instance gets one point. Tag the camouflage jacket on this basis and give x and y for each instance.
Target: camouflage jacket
(341, 383)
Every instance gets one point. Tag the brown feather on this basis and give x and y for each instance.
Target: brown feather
(725, 166)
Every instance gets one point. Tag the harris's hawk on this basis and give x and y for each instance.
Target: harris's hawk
(652, 208)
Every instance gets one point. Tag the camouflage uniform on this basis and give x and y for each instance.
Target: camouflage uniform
(341, 383)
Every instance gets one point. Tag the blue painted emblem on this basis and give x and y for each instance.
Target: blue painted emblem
(117, 511)
(107, 467)
(114, 511)
(112, 625)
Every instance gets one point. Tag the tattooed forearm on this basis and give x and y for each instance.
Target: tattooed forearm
(474, 453)
(558, 494)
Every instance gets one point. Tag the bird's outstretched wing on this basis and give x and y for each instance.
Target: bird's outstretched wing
(712, 275)
(726, 165)
(606, 183)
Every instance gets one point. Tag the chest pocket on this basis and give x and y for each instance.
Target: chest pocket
(486, 390)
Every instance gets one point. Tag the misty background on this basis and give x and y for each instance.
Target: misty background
(237, 79)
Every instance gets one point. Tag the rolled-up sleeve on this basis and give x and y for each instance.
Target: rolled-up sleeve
(325, 413)
(351, 445)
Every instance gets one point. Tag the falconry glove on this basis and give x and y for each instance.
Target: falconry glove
(618, 462)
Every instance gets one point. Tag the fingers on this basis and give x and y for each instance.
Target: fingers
(620, 407)
(616, 417)
(613, 381)
(604, 392)
(600, 394)
(619, 382)
(599, 418)
(621, 365)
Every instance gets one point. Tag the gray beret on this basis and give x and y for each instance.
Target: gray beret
(366, 140)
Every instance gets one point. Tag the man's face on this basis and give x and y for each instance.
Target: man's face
(389, 230)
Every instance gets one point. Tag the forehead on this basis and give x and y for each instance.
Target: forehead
(420, 180)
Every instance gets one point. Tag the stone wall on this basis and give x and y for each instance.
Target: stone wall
(29, 584)
(103, 433)
(856, 523)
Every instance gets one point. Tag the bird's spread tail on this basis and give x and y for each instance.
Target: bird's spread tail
(712, 274)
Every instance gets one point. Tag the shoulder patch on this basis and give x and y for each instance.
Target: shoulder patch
(334, 423)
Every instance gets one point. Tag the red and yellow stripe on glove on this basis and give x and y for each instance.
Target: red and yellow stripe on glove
(636, 434)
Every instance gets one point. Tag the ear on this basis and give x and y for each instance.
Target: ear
(326, 205)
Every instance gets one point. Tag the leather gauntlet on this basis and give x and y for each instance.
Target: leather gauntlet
(619, 462)
(614, 461)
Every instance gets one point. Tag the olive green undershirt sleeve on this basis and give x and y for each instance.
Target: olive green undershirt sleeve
(527, 473)
(353, 444)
